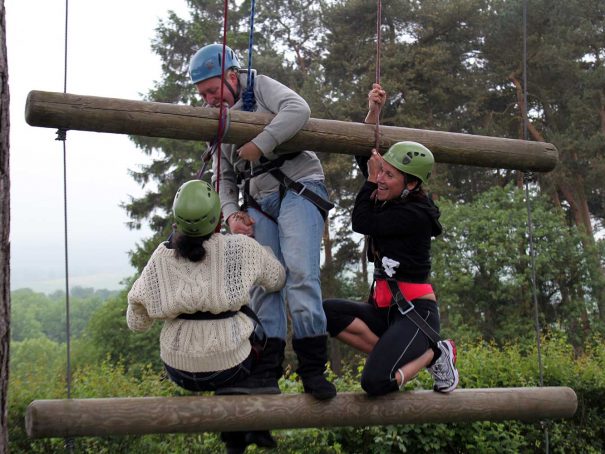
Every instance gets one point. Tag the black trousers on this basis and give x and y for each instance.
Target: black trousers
(400, 340)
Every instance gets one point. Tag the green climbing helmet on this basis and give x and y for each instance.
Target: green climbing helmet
(196, 208)
(411, 158)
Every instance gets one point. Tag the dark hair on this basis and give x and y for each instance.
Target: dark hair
(418, 193)
(190, 247)
(412, 178)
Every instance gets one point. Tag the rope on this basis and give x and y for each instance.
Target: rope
(248, 95)
(378, 41)
(221, 126)
(62, 136)
(225, 120)
(527, 176)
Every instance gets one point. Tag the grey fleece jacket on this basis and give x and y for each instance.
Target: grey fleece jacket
(291, 114)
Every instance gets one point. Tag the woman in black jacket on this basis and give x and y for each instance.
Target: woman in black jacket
(400, 219)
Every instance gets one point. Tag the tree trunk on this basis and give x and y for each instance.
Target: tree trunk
(4, 235)
(533, 132)
(602, 112)
(575, 195)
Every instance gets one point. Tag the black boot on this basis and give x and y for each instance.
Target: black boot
(265, 372)
(235, 442)
(312, 353)
(261, 438)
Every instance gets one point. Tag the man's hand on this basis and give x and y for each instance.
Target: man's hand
(249, 152)
(241, 222)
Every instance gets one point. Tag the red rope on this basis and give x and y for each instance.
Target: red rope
(378, 41)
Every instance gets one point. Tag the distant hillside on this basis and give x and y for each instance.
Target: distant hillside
(38, 315)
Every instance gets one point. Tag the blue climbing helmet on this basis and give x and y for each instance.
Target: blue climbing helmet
(207, 63)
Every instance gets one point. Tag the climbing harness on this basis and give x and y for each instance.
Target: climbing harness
(270, 166)
(273, 168)
(407, 309)
(258, 338)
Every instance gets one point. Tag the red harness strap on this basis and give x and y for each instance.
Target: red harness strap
(382, 294)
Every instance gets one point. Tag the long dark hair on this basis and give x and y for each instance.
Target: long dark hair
(190, 247)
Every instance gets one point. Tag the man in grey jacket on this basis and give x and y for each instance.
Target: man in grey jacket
(285, 204)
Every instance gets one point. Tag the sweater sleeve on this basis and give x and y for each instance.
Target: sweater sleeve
(271, 273)
(291, 113)
(137, 316)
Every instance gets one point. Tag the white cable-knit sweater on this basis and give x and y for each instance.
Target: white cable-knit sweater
(169, 286)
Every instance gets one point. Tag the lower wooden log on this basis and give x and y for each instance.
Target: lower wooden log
(147, 415)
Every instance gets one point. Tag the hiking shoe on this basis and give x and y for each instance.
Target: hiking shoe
(235, 442)
(261, 438)
(319, 387)
(444, 370)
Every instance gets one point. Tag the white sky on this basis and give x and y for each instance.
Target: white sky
(109, 54)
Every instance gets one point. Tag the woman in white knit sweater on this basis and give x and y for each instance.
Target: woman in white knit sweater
(197, 284)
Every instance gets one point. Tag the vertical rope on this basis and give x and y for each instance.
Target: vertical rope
(221, 125)
(61, 135)
(62, 138)
(530, 231)
(248, 95)
(378, 44)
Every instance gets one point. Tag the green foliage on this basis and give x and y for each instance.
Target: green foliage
(44, 353)
(482, 269)
(37, 315)
(481, 364)
(108, 336)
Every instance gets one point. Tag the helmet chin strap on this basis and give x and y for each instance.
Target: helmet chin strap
(407, 191)
(230, 88)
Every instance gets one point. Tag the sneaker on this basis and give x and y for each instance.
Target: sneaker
(444, 370)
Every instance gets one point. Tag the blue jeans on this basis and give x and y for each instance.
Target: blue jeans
(296, 242)
(210, 381)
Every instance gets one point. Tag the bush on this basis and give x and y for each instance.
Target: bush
(481, 365)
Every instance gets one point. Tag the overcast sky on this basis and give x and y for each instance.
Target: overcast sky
(109, 54)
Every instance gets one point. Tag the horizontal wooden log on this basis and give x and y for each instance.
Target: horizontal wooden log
(146, 415)
(91, 113)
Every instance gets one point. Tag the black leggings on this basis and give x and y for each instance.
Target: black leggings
(400, 341)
